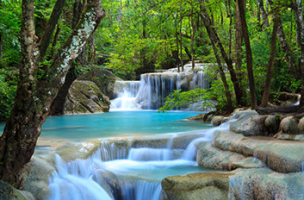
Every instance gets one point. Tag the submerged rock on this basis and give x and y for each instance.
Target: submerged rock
(197, 186)
(85, 97)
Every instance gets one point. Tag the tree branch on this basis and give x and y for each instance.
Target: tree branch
(49, 29)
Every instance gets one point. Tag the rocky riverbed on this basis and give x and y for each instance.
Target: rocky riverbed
(259, 157)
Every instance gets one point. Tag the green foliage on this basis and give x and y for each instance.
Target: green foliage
(8, 89)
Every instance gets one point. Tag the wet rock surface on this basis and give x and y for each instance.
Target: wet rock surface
(278, 155)
(197, 186)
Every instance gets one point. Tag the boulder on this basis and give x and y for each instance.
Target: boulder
(108, 181)
(85, 97)
(104, 79)
(264, 184)
(278, 155)
(78, 150)
(8, 192)
(217, 120)
(206, 117)
(210, 157)
(289, 125)
(160, 142)
(213, 186)
(249, 124)
(213, 158)
(300, 125)
(181, 141)
(36, 177)
(272, 124)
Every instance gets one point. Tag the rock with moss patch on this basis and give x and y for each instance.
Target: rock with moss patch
(104, 79)
(86, 97)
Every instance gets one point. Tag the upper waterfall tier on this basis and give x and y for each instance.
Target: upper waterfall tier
(153, 88)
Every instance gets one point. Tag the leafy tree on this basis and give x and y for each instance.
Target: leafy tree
(38, 88)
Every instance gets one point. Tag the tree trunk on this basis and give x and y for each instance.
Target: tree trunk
(271, 60)
(192, 38)
(34, 96)
(176, 40)
(290, 59)
(181, 38)
(248, 54)
(57, 107)
(207, 22)
(216, 40)
(223, 77)
(300, 23)
(264, 13)
(238, 52)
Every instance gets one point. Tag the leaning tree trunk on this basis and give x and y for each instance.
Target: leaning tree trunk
(248, 54)
(271, 60)
(216, 40)
(35, 95)
(57, 107)
(207, 21)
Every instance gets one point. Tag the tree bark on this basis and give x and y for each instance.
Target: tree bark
(34, 96)
(290, 59)
(223, 77)
(207, 21)
(298, 10)
(248, 54)
(181, 38)
(216, 40)
(57, 107)
(238, 52)
(192, 38)
(264, 13)
(49, 29)
(271, 60)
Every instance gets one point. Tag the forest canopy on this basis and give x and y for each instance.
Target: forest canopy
(140, 36)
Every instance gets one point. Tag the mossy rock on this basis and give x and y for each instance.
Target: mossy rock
(86, 97)
(104, 79)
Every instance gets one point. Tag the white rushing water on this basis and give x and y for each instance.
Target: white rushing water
(138, 171)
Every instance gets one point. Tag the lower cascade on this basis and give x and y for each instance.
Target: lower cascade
(152, 89)
(119, 170)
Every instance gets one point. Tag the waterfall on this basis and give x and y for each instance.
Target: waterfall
(112, 151)
(72, 181)
(190, 152)
(152, 89)
(125, 92)
(140, 190)
(149, 154)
